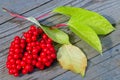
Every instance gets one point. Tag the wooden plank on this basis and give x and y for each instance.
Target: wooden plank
(31, 76)
(16, 6)
(98, 66)
(111, 75)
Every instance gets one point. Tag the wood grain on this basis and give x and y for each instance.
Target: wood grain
(100, 68)
(9, 27)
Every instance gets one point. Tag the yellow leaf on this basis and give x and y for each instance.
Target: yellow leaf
(72, 58)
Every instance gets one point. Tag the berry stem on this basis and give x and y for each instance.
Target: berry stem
(60, 25)
(13, 14)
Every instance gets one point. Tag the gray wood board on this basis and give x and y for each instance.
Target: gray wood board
(99, 67)
(21, 6)
(9, 29)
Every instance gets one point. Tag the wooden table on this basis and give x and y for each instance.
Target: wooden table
(104, 67)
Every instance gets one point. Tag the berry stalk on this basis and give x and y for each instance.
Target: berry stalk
(13, 14)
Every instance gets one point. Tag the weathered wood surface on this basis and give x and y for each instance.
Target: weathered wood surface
(104, 67)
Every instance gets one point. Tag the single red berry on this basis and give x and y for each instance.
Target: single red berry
(16, 74)
(17, 50)
(30, 32)
(33, 44)
(13, 66)
(28, 40)
(38, 64)
(18, 67)
(28, 61)
(29, 48)
(22, 45)
(34, 38)
(22, 41)
(24, 71)
(49, 40)
(24, 58)
(16, 56)
(40, 31)
(44, 36)
(43, 54)
(9, 66)
(39, 59)
(26, 54)
(17, 38)
(17, 41)
(53, 56)
(12, 60)
(48, 64)
(35, 33)
(18, 61)
(34, 62)
(35, 51)
(11, 52)
(15, 70)
(29, 56)
(28, 35)
(44, 59)
(29, 68)
(10, 71)
(23, 63)
(32, 27)
(35, 56)
(9, 57)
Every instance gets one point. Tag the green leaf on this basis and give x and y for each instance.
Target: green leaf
(72, 58)
(94, 20)
(55, 34)
(32, 19)
(86, 33)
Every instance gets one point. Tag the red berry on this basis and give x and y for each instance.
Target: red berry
(35, 33)
(35, 56)
(34, 62)
(44, 59)
(16, 56)
(15, 70)
(23, 63)
(10, 71)
(17, 50)
(9, 66)
(28, 40)
(47, 64)
(16, 74)
(17, 38)
(34, 38)
(33, 44)
(53, 56)
(12, 61)
(35, 51)
(29, 56)
(39, 59)
(18, 67)
(18, 61)
(28, 35)
(24, 71)
(32, 27)
(9, 57)
(44, 36)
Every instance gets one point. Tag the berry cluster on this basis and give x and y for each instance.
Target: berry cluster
(35, 49)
